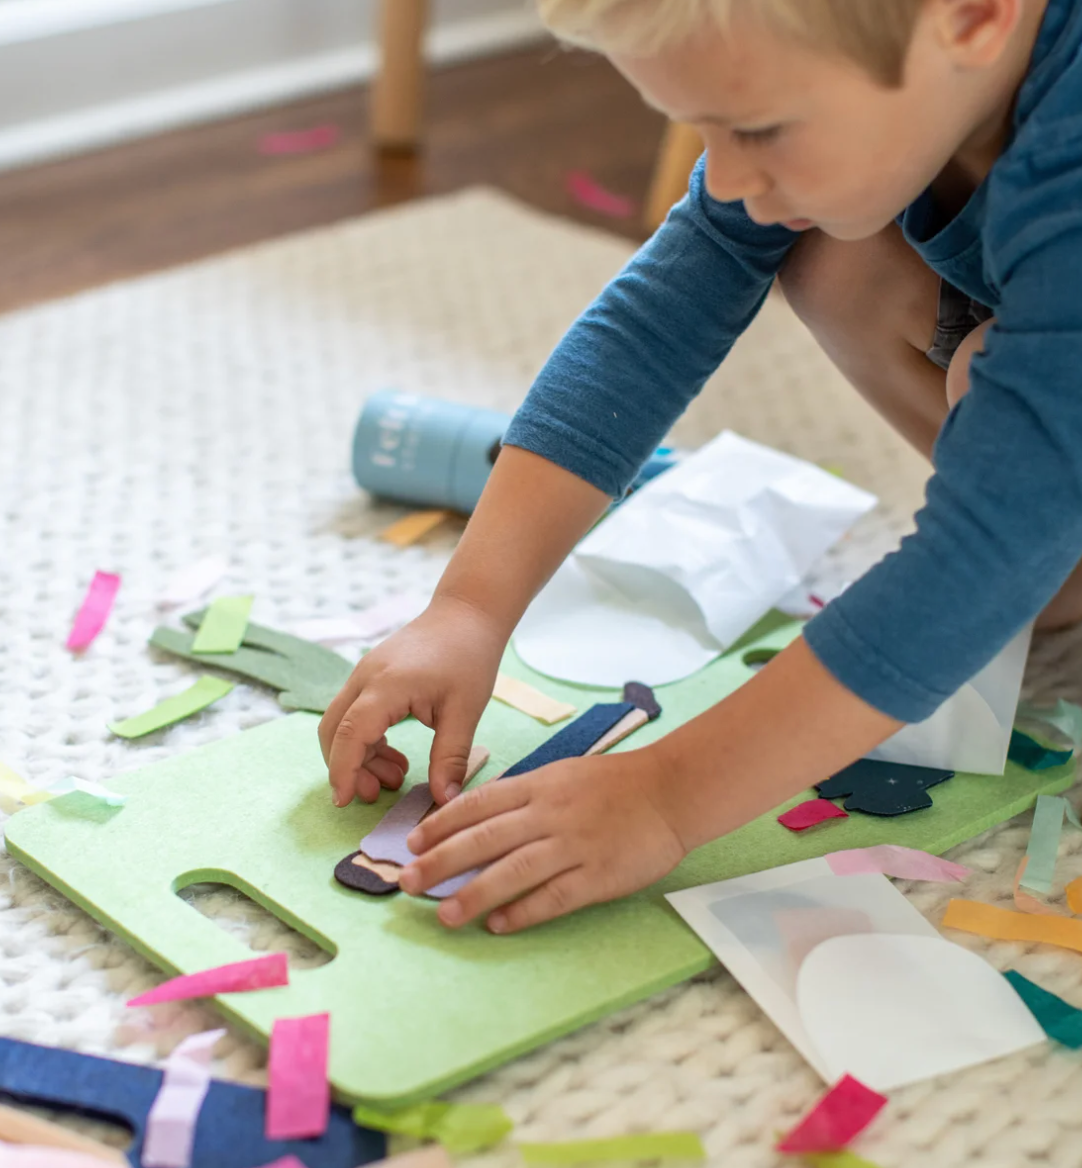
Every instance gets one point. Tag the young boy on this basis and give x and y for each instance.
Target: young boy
(912, 170)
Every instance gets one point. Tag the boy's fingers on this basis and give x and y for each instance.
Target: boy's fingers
(385, 750)
(356, 737)
(387, 771)
(516, 875)
(450, 754)
(477, 845)
(473, 806)
(332, 716)
(565, 893)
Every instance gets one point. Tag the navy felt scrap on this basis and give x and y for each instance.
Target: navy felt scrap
(883, 788)
(575, 739)
(230, 1129)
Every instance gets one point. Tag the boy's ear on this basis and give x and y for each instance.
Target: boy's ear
(975, 33)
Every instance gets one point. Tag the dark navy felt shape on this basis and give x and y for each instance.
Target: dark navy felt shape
(642, 697)
(361, 879)
(883, 788)
(575, 739)
(230, 1129)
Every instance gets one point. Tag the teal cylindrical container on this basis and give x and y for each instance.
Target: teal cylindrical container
(425, 451)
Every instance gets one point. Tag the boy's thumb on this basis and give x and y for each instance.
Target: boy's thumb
(450, 756)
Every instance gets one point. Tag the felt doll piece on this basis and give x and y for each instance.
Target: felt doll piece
(883, 788)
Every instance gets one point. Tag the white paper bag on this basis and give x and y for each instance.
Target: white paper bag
(971, 732)
(687, 565)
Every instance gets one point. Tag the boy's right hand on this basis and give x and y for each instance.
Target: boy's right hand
(441, 668)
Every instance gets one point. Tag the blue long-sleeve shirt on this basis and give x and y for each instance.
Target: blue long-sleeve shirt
(1001, 528)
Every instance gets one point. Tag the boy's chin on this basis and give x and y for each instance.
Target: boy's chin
(852, 230)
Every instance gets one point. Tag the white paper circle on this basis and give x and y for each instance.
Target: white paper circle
(892, 1010)
(582, 631)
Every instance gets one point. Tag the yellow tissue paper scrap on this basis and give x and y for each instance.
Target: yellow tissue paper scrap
(13, 789)
(835, 1160)
(414, 527)
(528, 700)
(1003, 925)
(652, 1146)
(462, 1128)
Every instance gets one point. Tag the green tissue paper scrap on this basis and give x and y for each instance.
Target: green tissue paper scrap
(222, 627)
(462, 1128)
(652, 1146)
(1061, 1021)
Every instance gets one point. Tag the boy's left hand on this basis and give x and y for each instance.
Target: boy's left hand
(573, 833)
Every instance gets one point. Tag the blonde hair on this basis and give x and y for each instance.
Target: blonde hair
(873, 33)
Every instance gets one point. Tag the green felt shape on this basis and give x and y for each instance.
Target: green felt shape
(307, 676)
(205, 692)
(462, 1128)
(417, 1008)
(1061, 1021)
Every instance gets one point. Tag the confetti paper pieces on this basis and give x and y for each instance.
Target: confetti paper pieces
(1001, 924)
(308, 141)
(1061, 1021)
(517, 694)
(1044, 836)
(193, 582)
(894, 860)
(223, 626)
(810, 813)
(408, 531)
(462, 1128)
(258, 974)
(299, 1096)
(589, 193)
(96, 606)
(649, 1146)
(836, 1120)
(173, 1116)
(205, 692)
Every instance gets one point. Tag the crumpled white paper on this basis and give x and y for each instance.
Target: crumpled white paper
(687, 565)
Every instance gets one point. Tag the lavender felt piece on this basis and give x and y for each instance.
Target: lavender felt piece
(387, 840)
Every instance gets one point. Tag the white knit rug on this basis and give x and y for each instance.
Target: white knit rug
(209, 410)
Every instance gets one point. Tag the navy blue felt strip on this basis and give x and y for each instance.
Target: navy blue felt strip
(575, 739)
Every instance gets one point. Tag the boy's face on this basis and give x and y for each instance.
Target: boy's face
(808, 139)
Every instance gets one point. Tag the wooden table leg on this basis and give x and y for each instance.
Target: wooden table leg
(397, 94)
(680, 149)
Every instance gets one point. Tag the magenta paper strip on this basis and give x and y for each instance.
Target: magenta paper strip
(261, 973)
(299, 1096)
(175, 1111)
(894, 860)
(810, 813)
(91, 617)
(837, 1119)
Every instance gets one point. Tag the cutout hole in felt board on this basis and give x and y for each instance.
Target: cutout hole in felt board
(111, 1130)
(255, 921)
(755, 659)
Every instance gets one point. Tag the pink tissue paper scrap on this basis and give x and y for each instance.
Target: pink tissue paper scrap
(96, 606)
(300, 141)
(298, 1095)
(33, 1156)
(809, 813)
(588, 192)
(286, 1162)
(836, 1120)
(260, 973)
(895, 860)
(174, 1114)
(193, 582)
(391, 614)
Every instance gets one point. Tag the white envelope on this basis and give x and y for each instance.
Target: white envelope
(970, 732)
(855, 977)
(687, 565)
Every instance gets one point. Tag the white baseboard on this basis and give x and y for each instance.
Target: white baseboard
(241, 90)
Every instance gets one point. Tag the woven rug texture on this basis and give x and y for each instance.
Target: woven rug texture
(208, 410)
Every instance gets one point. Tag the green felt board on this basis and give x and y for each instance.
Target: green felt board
(417, 1009)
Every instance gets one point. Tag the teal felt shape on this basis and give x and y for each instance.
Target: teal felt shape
(1033, 755)
(419, 1009)
(307, 676)
(1061, 1021)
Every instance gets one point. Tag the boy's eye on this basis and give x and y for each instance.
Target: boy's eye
(757, 137)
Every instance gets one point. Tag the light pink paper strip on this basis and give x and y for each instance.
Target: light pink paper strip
(174, 1113)
(91, 617)
(260, 973)
(329, 630)
(299, 1096)
(585, 189)
(193, 582)
(286, 1162)
(33, 1156)
(300, 141)
(894, 860)
(391, 614)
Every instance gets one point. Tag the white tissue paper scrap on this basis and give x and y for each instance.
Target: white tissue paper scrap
(970, 732)
(687, 565)
(855, 977)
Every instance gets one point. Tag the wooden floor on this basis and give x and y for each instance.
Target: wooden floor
(519, 122)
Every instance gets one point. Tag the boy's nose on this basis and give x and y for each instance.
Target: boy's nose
(729, 176)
